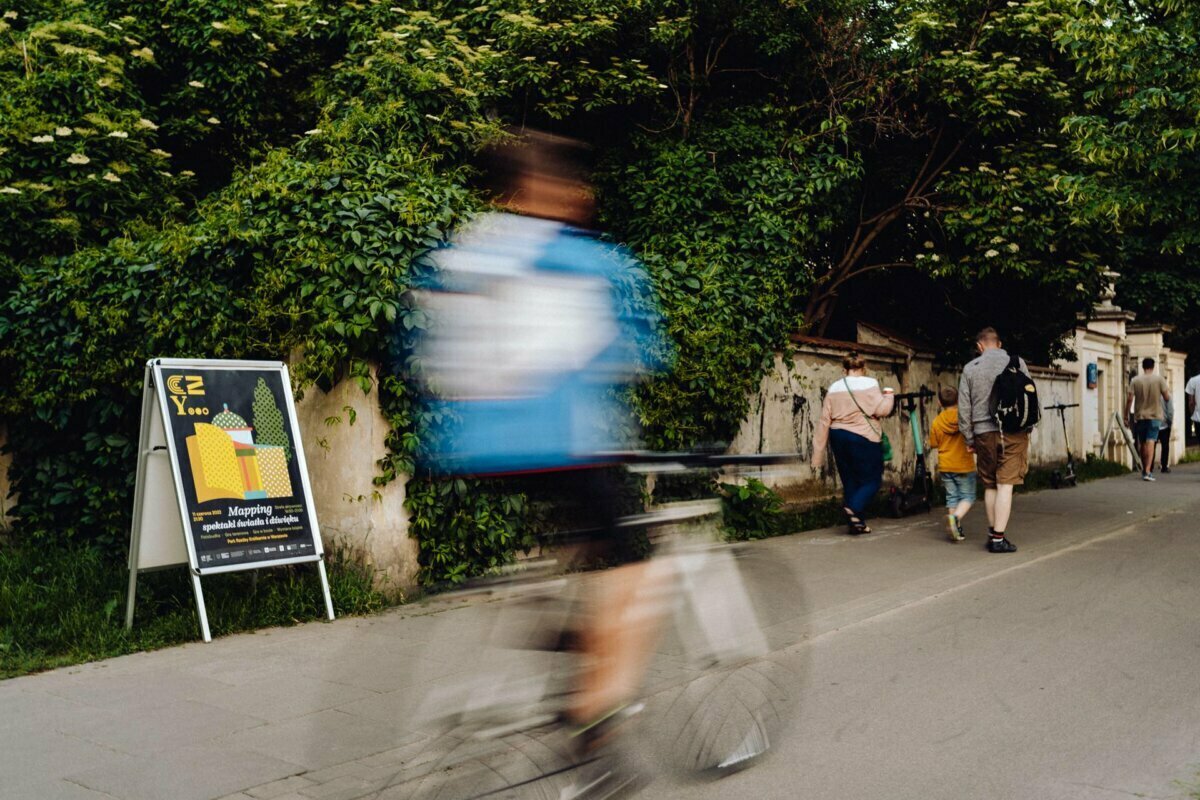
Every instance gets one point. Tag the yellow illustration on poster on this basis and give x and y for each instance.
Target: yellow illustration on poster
(227, 462)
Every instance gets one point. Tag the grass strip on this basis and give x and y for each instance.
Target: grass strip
(63, 606)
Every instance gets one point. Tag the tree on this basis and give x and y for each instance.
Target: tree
(268, 420)
(1136, 129)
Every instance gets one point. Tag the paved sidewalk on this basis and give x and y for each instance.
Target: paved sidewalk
(325, 710)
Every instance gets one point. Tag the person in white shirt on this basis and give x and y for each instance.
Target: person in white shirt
(1192, 390)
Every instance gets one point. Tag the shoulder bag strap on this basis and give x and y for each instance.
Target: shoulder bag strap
(866, 416)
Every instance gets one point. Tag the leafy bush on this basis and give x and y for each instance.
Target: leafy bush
(309, 253)
(752, 510)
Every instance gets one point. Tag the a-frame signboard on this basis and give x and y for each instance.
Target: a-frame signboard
(222, 484)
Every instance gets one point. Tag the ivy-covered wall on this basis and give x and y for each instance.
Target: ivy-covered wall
(261, 179)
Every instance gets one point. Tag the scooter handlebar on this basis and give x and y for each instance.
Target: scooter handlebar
(1061, 406)
(924, 393)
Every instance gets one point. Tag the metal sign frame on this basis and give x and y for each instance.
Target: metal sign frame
(155, 413)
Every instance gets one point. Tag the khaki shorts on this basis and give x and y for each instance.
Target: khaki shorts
(1001, 460)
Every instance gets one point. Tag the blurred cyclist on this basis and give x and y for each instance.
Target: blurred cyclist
(535, 323)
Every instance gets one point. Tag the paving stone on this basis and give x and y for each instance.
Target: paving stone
(165, 727)
(326, 774)
(272, 790)
(42, 789)
(39, 711)
(236, 669)
(46, 756)
(280, 698)
(397, 756)
(188, 773)
(399, 708)
(381, 673)
(318, 740)
(126, 692)
(347, 787)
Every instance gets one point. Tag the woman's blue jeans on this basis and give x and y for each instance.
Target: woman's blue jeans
(859, 465)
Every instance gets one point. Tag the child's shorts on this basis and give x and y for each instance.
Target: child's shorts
(959, 486)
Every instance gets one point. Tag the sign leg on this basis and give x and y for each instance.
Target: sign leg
(325, 588)
(201, 612)
(129, 598)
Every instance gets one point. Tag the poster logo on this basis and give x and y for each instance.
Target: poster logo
(181, 387)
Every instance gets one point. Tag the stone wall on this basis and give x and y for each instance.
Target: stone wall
(343, 432)
(785, 410)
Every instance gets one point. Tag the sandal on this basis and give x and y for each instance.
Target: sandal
(856, 526)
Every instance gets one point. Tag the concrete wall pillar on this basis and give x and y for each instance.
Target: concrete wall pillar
(343, 431)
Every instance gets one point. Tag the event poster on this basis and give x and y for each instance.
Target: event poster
(236, 459)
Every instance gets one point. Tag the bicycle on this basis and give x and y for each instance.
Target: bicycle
(717, 694)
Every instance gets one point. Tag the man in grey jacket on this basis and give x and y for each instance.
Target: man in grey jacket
(1001, 459)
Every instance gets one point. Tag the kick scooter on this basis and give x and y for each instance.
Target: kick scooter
(1062, 478)
(919, 496)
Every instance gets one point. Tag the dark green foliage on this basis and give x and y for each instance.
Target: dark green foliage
(62, 606)
(752, 510)
(466, 528)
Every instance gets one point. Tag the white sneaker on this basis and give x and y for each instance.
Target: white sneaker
(1146, 476)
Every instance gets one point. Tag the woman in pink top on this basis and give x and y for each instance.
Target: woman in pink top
(849, 424)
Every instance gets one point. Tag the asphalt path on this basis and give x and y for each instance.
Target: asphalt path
(1074, 674)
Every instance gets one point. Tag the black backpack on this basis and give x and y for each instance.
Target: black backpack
(1017, 406)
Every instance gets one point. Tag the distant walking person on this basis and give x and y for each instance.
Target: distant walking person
(1193, 408)
(1164, 436)
(849, 423)
(956, 465)
(1145, 402)
(1001, 459)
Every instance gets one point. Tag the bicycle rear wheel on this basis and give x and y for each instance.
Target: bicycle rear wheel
(727, 720)
(473, 763)
(730, 715)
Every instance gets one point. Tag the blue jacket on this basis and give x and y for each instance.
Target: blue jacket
(535, 328)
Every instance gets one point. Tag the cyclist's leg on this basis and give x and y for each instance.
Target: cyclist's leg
(616, 642)
(621, 622)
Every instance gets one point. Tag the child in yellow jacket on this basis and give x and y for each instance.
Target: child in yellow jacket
(956, 463)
